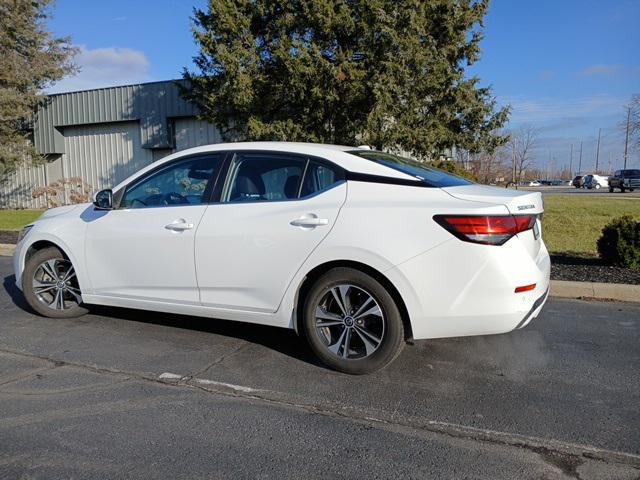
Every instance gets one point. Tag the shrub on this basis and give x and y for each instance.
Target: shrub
(64, 191)
(620, 242)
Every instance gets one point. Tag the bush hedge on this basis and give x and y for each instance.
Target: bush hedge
(620, 242)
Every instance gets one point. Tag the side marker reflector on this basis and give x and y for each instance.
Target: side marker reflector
(526, 288)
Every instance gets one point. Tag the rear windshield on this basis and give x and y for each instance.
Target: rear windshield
(631, 173)
(429, 175)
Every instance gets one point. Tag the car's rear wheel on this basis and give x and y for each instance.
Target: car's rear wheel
(50, 285)
(352, 322)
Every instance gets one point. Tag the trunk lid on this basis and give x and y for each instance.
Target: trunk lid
(517, 202)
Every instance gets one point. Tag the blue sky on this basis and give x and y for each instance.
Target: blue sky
(567, 67)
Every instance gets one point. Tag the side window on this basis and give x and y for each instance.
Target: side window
(319, 177)
(255, 177)
(617, 173)
(186, 182)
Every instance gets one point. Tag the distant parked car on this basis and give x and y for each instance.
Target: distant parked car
(578, 181)
(595, 181)
(625, 180)
(535, 183)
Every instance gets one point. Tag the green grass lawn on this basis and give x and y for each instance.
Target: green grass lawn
(16, 219)
(573, 223)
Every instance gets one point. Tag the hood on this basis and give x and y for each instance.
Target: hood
(54, 212)
(518, 202)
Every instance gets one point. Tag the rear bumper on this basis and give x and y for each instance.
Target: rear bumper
(461, 289)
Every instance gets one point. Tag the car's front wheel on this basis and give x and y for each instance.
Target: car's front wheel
(352, 322)
(50, 285)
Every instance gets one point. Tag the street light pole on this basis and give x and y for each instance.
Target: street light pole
(571, 162)
(598, 150)
(626, 140)
(580, 161)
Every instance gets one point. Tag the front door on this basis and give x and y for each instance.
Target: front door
(144, 250)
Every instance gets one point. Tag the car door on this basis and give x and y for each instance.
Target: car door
(273, 210)
(144, 249)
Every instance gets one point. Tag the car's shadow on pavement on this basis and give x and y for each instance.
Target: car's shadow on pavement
(12, 290)
(282, 340)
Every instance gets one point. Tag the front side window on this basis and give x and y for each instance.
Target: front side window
(256, 177)
(186, 182)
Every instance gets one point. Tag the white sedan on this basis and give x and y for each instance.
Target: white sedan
(355, 249)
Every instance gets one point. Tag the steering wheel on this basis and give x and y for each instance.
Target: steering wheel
(173, 198)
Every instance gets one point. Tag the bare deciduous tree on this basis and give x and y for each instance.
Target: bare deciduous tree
(521, 144)
(634, 124)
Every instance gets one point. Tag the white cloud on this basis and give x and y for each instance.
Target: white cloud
(105, 67)
(543, 110)
(601, 70)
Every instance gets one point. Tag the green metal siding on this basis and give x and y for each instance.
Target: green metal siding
(152, 104)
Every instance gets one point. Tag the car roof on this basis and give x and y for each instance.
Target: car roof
(337, 154)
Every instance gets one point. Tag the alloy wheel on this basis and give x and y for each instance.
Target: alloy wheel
(350, 322)
(55, 284)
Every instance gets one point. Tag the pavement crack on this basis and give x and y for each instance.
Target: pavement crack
(218, 361)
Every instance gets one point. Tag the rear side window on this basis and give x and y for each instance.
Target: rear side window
(255, 177)
(433, 177)
(631, 173)
(319, 177)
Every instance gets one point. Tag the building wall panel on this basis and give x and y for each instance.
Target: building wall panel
(103, 155)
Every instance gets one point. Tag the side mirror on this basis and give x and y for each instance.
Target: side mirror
(104, 200)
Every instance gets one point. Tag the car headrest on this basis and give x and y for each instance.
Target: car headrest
(291, 186)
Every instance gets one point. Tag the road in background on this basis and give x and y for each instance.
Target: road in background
(601, 192)
(123, 393)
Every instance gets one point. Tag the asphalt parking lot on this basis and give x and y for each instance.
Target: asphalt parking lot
(128, 394)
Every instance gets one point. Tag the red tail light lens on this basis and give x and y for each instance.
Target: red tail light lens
(485, 229)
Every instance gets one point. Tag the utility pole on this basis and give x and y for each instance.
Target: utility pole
(580, 161)
(571, 162)
(598, 150)
(626, 139)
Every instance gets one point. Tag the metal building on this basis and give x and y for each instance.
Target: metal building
(105, 135)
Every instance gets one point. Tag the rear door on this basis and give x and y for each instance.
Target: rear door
(273, 210)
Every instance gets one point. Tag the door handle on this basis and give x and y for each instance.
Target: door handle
(310, 221)
(179, 226)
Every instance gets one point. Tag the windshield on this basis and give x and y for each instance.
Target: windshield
(429, 175)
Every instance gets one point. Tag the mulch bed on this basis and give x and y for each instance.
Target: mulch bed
(8, 236)
(578, 269)
(563, 267)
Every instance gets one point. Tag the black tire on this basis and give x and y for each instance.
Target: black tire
(610, 189)
(31, 267)
(391, 341)
(631, 189)
(622, 189)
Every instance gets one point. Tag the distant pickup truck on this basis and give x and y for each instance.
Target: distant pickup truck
(625, 180)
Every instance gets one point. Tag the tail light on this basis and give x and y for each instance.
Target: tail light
(486, 229)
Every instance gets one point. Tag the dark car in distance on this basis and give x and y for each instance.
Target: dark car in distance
(577, 181)
(625, 180)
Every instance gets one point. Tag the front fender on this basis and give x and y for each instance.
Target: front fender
(73, 249)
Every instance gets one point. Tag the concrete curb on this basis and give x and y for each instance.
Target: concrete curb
(593, 290)
(559, 288)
